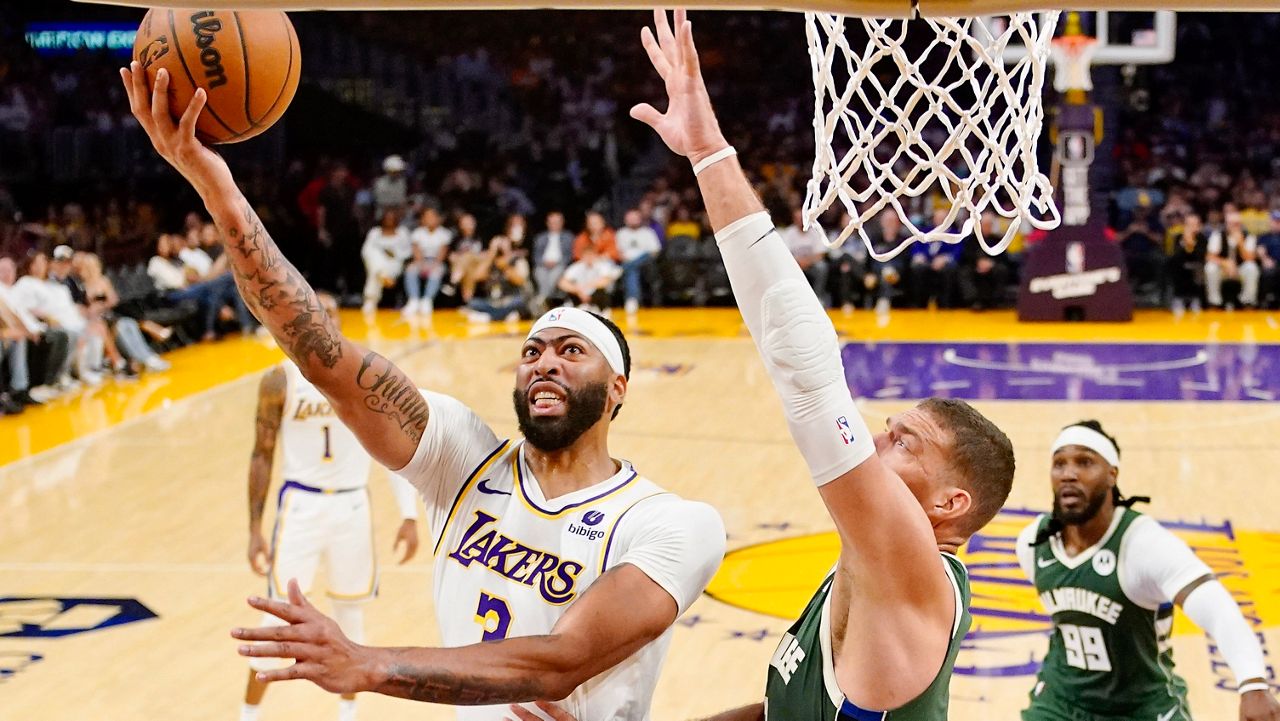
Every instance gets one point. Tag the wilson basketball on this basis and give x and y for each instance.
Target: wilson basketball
(248, 62)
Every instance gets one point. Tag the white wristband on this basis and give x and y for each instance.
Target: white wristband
(725, 152)
(1255, 686)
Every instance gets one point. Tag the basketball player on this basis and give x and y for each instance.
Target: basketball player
(568, 564)
(322, 509)
(880, 636)
(1109, 576)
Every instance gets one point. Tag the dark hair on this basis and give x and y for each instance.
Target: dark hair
(626, 351)
(981, 453)
(1055, 526)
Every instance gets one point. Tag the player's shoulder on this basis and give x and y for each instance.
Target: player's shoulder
(663, 509)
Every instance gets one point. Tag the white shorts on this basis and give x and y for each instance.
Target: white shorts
(334, 526)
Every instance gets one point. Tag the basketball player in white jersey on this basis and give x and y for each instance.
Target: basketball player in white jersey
(322, 510)
(559, 570)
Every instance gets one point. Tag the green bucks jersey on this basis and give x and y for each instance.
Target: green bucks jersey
(802, 681)
(1108, 655)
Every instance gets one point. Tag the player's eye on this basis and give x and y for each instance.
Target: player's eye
(529, 352)
(573, 348)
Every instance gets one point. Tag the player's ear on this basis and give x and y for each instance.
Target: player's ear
(618, 391)
(952, 503)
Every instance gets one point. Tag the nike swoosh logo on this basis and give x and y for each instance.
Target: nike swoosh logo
(1167, 716)
(1040, 562)
(483, 487)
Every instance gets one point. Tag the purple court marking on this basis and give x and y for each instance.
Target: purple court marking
(1064, 371)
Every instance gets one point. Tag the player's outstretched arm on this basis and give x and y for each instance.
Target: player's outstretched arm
(754, 712)
(1207, 602)
(590, 638)
(371, 396)
(903, 627)
(271, 391)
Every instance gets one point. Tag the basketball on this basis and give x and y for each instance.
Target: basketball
(248, 62)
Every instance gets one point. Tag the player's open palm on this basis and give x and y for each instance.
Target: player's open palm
(176, 143)
(552, 711)
(1259, 706)
(323, 654)
(689, 126)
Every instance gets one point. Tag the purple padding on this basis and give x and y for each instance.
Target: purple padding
(1064, 371)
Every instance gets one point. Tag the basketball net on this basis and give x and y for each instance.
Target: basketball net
(893, 127)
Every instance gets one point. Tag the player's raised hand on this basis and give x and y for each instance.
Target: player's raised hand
(322, 653)
(1259, 706)
(258, 553)
(407, 535)
(176, 143)
(553, 712)
(689, 126)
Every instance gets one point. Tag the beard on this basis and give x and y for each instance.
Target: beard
(583, 409)
(1093, 504)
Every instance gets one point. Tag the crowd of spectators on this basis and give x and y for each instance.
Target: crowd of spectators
(532, 188)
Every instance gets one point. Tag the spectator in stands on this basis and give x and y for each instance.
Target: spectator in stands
(935, 267)
(430, 245)
(41, 355)
(102, 302)
(13, 353)
(178, 282)
(1187, 263)
(51, 303)
(847, 263)
(882, 277)
(983, 278)
(385, 250)
(589, 281)
(809, 248)
(1142, 244)
(504, 294)
(599, 237)
(683, 223)
(1269, 260)
(338, 229)
(1231, 255)
(391, 189)
(638, 246)
(468, 258)
(552, 253)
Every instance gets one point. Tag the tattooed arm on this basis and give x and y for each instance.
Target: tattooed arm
(370, 395)
(590, 638)
(271, 391)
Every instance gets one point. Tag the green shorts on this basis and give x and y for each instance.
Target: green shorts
(1050, 708)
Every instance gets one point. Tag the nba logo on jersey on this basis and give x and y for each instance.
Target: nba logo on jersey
(846, 433)
(1104, 562)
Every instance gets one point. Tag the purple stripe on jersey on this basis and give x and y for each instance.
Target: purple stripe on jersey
(1064, 371)
(462, 491)
(521, 473)
(608, 545)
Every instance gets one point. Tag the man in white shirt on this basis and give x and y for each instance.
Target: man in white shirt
(1232, 255)
(430, 241)
(639, 246)
(552, 252)
(810, 250)
(179, 282)
(36, 352)
(51, 302)
(589, 280)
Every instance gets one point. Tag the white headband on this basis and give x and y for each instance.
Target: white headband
(588, 326)
(1091, 439)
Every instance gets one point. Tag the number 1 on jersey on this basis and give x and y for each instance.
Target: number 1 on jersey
(494, 615)
(328, 453)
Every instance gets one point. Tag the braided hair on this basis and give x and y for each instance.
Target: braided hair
(1055, 525)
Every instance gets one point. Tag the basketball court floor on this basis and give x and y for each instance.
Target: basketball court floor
(123, 511)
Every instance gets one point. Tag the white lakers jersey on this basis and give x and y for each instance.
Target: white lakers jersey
(509, 562)
(318, 450)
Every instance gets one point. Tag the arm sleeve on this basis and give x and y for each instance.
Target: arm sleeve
(453, 444)
(406, 496)
(677, 543)
(1214, 610)
(1026, 552)
(1155, 564)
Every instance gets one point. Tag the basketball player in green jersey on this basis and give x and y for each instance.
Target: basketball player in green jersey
(880, 636)
(1109, 576)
